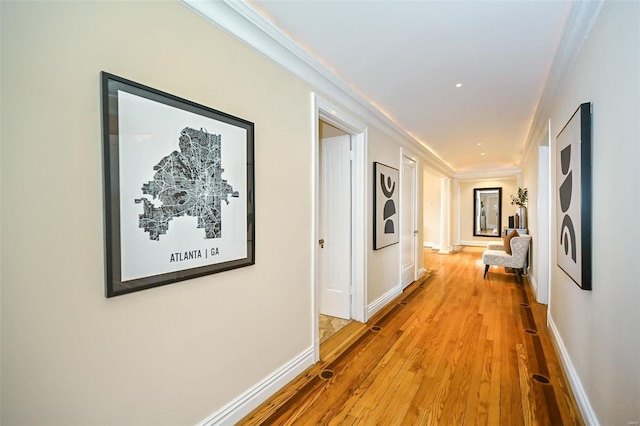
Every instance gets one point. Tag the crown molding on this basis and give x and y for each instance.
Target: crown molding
(239, 19)
(488, 174)
(582, 17)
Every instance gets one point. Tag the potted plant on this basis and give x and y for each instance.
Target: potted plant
(520, 200)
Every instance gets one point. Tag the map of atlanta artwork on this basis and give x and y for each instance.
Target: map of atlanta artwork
(179, 188)
(189, 183)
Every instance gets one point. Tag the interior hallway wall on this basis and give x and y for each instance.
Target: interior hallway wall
(328, 131)
(431, 209)
(168, 355)
(177, 353)
(379, 274)
(599, 330)
(530, 181)
(465, 204)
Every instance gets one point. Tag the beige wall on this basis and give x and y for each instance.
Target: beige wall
(431, 209)
(178, 353)
(379, 274)
(382, 148)
(465, 204)
(328, 131)
(170, 355)
(600, 329)
(539, 240)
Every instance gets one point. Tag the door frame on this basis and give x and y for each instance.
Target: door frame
(417, 271)
(322, 109)
(545, 219)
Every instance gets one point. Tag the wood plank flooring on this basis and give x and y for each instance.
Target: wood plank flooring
(453, 349)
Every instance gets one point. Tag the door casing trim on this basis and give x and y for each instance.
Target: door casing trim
(406, 153)
(322, 109)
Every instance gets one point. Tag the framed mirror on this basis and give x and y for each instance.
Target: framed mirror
(487, 212)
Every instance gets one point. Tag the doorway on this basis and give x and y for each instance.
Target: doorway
(334, 225)
(408, 220)
(340, 242)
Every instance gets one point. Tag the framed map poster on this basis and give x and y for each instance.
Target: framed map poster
(179, 188)
(573, 197)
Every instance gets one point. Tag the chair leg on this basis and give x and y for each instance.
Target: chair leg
(519, 274)
(486, 269)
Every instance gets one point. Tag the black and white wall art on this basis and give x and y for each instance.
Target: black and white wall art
(178, 188)
(573, 197)
(386, 217)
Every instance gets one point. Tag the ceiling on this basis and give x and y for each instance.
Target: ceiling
(406, 58)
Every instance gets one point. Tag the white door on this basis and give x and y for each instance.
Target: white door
(335, 227)
(408, 228)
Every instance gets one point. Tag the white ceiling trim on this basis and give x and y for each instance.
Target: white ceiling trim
(489, 175)
(581, 19)
(240, 20)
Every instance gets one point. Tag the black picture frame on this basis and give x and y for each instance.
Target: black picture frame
(179, 192)
(386, 206)
(574, 197)
(477, 213)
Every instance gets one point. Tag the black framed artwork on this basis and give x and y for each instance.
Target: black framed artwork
(386, 217)
(179, 188)
(573, 196)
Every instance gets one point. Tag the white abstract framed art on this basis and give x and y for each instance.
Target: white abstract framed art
(386, 216)
(573, 197)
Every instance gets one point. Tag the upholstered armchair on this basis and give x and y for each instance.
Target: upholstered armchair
(516, 260)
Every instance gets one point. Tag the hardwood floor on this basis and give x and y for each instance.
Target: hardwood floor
(453, 349)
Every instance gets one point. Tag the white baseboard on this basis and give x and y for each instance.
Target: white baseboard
(588, 414)
(429, 244)
(383, 300)
(240, 407)
(535, 288)
(534, 285)
(421, 273)
(474, 243)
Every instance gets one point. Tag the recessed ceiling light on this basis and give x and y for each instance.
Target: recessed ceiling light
(479, 143)
(482, 153)
(459, 85)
